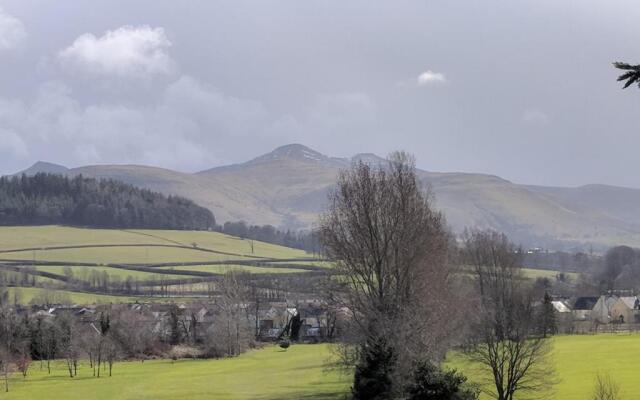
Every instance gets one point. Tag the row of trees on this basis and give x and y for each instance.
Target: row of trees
(55, 199)
(413, 294)
(303, 240)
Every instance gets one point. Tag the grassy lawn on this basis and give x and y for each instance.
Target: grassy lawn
(300, 373)
(268, 374)
(578, 359)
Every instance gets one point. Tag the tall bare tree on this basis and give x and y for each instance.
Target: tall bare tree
(505, 337)
(232, 328)
(392, 250)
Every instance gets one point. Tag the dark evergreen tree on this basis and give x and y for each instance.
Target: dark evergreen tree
(372, 379)
(296, 324)
(431, 383)
(55, 199)
(105, 323)
(174, 326)
(548, 323)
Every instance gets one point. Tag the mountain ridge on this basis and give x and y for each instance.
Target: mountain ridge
(288, 188)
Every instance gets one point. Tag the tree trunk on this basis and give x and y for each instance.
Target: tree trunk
(6, 377)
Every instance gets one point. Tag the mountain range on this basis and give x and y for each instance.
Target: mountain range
(288, 188)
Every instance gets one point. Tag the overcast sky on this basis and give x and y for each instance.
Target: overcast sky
(520, 89)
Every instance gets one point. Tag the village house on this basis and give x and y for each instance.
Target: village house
(601, 312)
(626, 310)
(582, 308)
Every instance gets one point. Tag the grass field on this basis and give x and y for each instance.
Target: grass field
(534, 273)
(19, 237)
(26, 294)
(83, 273)
(267, 374)
(221, 269)
(67, 245)
(119, 255)
(578, 359)
(300, 373)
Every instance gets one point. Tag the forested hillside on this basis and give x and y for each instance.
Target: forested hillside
(54, 199)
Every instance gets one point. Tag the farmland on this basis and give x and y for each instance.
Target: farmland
(95, 259)
(178, 262)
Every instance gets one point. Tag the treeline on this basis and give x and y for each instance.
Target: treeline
(303, 240)
(561, 261)
(55, 199)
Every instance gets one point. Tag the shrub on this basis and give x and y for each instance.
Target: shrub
(430, 382)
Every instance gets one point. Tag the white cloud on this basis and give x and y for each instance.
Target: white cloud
(127, 51)
(12, 31)
(429, 78)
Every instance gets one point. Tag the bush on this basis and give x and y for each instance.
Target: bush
(372, 379)
(431, 383)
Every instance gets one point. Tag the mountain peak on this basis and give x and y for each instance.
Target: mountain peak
(293, 151)
(46, 167)
(296, 150)
(370, 159)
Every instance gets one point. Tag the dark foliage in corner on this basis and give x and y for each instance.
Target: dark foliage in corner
(372, 379)
(630, 76)
(55, 199)
(430, 382)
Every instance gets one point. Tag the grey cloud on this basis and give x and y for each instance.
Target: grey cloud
(12, 31)
(529, 82)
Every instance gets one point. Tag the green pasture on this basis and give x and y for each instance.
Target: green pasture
(24, 295)
(84, 273)
(221, 269)
(534, 273)
(118, 255)
(577, 359)
(266, 374)
(21, 237)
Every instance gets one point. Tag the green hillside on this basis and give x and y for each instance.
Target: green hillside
(289, 186)
(107, 261)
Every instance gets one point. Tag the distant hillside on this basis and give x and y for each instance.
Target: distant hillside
(55, 199)
(288, 187)
(44, 167)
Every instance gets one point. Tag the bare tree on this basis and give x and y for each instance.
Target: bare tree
(505, 337)
(605, 388)
(392, 249)
(232, 329)
(69, 341)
